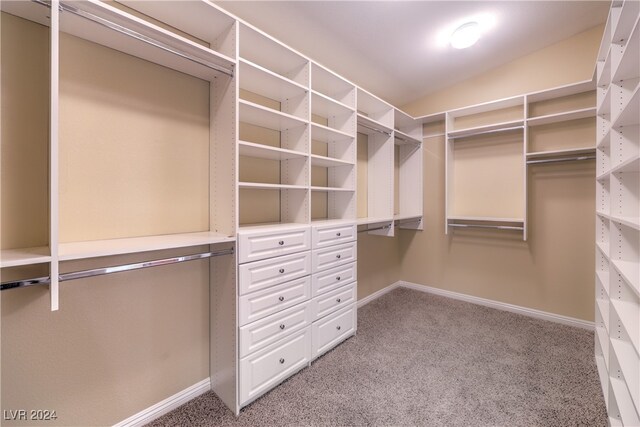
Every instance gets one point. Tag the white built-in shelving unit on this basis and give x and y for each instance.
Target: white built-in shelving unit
(408, 158)
(617, 312)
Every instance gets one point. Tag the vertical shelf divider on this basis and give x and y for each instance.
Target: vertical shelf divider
(54, 38)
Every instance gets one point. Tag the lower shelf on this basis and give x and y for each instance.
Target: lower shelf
(24, 256)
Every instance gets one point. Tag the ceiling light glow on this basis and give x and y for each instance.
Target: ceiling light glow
(465, 35)
(484, 22)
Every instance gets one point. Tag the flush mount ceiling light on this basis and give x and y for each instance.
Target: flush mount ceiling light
(465, 35)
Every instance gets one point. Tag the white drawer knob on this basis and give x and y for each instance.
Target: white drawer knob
(338, 300)
(281, 298)
(338, 278)
(281, 360)
(281, 270)
(281, 242)
(338, 256)
(338, 327)
(282, 326)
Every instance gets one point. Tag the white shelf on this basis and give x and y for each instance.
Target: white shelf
(485, 219)
(627, 19)
(567, 152)
(260, 151)
(514, 125)
(604, 140)
(330, 84)
(86, 29)
(24, 256)
(625, 403)
(603, 215)
(629, 165)
(264, 186)
(372, 220)
(603, 176)
(271, 226)
(328, 162)
(327, 107)
(257, 79)
(603, 248)
(368, 126)
(628, 314)
(98, 248)
(326, 134)
(375, 109)
(628, 66)
(629, 271)
(565, 116)
(631, 221)
(631, 114)
(604, 106)
(404, 217)
(402, 138)
(604, 279)
(332, 189)
(604, 79)
(267, 117)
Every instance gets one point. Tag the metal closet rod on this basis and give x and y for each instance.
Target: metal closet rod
(486, 132)
(375, 129)
(384, 227)
(498, 227)
(4, 286)
(128, 32)
(563, 159)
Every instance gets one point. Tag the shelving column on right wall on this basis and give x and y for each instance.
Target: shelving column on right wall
(617, 348)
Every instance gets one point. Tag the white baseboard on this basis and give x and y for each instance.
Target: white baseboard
(530, 312)
(378, 294)
(167, 405)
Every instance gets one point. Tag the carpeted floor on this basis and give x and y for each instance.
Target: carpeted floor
(420, 359)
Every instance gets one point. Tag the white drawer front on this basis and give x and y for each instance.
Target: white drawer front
(260, 304)
(262, 274)
(270, 366)
(256, 246)
(260, 334)
(323, 259)
(333, 329)
(332, 235)
(334, 300)
(329, 280)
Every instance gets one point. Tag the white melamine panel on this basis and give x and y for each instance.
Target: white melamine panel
(267, 368)
(332, 301)
(326, 134)
(257, 79)
(328, 280)
(26, 256)
(264, 332)
(269, 118)
(329, 235)
(260, 151)
(332, 85)
(333, 329)
(260, 304)
(273, 271)
(333, 256)
(257, 245)
(374, 109)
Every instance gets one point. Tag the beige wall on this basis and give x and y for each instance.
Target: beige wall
(553, 270)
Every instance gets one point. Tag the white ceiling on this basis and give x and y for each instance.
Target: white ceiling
(390, 47)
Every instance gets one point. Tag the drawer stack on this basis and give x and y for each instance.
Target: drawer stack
(333, 284)
(274, 309)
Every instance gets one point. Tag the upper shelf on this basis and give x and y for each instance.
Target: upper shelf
(330, 84)
(258, 115)
(103, 24)
(564, 116)
(324, 106)
(375, 109)
(402, 138)
(326, 134)
(98, 248)
(368, 126)
(257, 79)
(260, 151)
(510, 126)
(627, 68)
(630, 116)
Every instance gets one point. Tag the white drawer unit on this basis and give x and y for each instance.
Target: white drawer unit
(333, 256)
(260, 304)
(333, 329)
(270, 366)
(260, 334)
(329, 235)
(263, 274)
(257, 245)
(328, 280)
(334, 300)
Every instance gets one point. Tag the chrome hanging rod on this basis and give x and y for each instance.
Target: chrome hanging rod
(128, 32)
(375, 129)
(498, 227)
(486, 132)
(4, 286)
(563, 159)
(384, 227)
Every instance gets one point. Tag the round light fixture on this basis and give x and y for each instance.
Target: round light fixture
(465, 35)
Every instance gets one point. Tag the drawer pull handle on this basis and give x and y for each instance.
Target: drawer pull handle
(281, 270)
(338, 327)
(338, 278)
(282, 326)
(338, 256)
(338, 234)
(338, 300)
(281, 298)
(281, 360)
(281, 242)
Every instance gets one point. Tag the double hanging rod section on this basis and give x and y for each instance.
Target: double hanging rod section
(4, 286)
(141, 37)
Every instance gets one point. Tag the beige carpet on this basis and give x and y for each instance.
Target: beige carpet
(420, 359)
